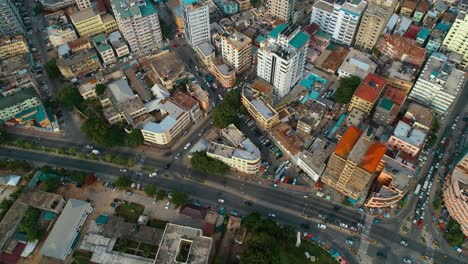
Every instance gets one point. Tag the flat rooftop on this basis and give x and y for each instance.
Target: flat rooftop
(318, 153)
(206, 48)
(401, 174)
(265, 110)
(420, 114)
(238, 40)
(167, 65)
(200, 246)
(402, 71)
(233, 135)
(83, 15)
(413, 136)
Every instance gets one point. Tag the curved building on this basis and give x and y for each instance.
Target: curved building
(224, 74)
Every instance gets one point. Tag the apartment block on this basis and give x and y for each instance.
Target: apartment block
(313, 160)
(439, 83)
(78, 64)
(88, 22)
(13, 104)
(367, 93)
(402, 49)
(240, 154)
(408, 7)
(419, 116)
(11, 23)
(83, 4)
(104, 49)
(196, 21)
(224, 73)
(138, 21)
(354, 163)
(56, 5)
(261, 111)
(372, 25)
(420, 12)
(455, 195)
(206, 52)
(118, 44)
(236, 49)
(281, 58)
(402, 76)
(244, 5)
(10, 47)
(282, 9)
(339, 18)
(457, 37)
(228, 7)
(389, 106)
(61, 34)
(189, 104)
(407, 139)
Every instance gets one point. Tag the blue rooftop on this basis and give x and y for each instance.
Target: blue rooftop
(148, 9)
(443, 26)
(260, 38)
(299, 40)
(423, 33)
(189, 2)
(309, 81)
(276, 31)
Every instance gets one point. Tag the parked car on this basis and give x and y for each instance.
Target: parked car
(168, 205)
(220, 200)
(153, 174)
(271, 215)
(407, 260)
(349, 242)
(322, 226)
(187, 146)
(404, 243)
(344, 225)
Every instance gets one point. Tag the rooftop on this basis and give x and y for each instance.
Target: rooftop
(347, 141)
(335, 59)
(370, 88)
(373, 156)
(401, 174)
(358, 64)
(395, 95)
(238, 40)
(120, 90)
(167, 65)
(402, 48)
(77, 43)
(264, 109)
(131, 8)
(206, 48)
(413, 136)
(174, 235)
(402, 71)
(318, 153)
(83, 15)
(173, 113)
(299, 40)
(183, 100)
(16, 98)
(420, 114)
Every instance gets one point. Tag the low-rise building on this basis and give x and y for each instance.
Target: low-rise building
(189, 104)
(389, 106)
(407, 139)
(79, 44)
(61, 34)
(402, 76)
(263, 113)
(419, 116)
(11, 47)
(118, 44)
(244, 5)
(224, 73)
(88, 22)
(367, 93)
(54, 5)
(59, 243)
(313, 160)
(15, 103)
(403, 49)
(200, 95)
(456, 196)
(168, 68)
(78, 64)
(357, 64)
(240, 154)
(206, 52)
(228, 7)
(104, 49)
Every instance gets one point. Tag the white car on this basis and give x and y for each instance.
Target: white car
(322, 226)
(133, 185)
(168, 205)
(177, 156)
(404, 243)
(271, 215)
(407, 260)
(123, 170)
(344, 225)
(187, 146)
(220, 200)
(153, 174)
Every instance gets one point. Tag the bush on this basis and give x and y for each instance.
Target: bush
(201, 162)
(28, 224)
(150, 190)
(346, 89)
(454, 235)
(100, 88)
(123, 182)
(179, 198)
(437, 203)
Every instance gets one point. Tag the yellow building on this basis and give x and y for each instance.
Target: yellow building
(372, 24)
(10, 47)
(88, 22)
(78, 64)
(457, 38)
(367, 93)
(237, 50)
(265, 115)
(244, 5)
(224, 74)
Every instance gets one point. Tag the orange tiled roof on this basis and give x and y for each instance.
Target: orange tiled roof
(370, 87)
(374, 154)
(346, 143)
(185, 101)
(335, 59)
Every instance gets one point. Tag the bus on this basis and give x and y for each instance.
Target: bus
(416, 191)
(425, 185)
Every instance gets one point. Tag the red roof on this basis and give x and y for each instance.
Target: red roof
(12, 258)
(412, 32)
(373, 156)
(311, 29)
(370, 88)
(346, 143)
(208, 229)
(396, 95)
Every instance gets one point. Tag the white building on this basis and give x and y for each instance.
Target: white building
(66, 230)
(313, 161)
(196, 21)
(237, 50)
(59, 35)
(438, 84)
(357, 64)
(139, 23)
(281, 58)
(83, 4)
(118, 44)
(338, 18)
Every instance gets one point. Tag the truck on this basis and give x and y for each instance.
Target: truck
(416, 191)
(425, 185)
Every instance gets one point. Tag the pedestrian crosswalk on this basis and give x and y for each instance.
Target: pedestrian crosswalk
(429, 250)
(365, 231)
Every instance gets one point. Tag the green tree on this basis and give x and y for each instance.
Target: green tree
(256, 3)
(179, 198)
(123, 182)
(261, 249)
(52, 69)
(151, 190)
(3, 136)
(437, 203)
(435, 125)
(28, 224)
(134, 138)
(224, 113)
(161, 194)
(166, 30)
(70, 97)
(346, 89)
(51, 184)
(102, 133)
(72, 151)
(100, 88)
(201, 162)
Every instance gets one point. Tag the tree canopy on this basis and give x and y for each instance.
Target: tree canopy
(102, 133)
(256, 3)
(28, 224)
(100, 88)
(454, 235)
(52, 69)
(51, 184)
(70, 97)
(201, 162)
(179, 198)
(151, 190)
(123, 182)
(346, 89)
(134, 138)
(224, 113)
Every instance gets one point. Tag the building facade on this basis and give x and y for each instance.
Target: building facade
(78, 64)
(244, 5)
(372, 24)
(367, 93)
(263, 113)
(338, 18)
(11, 23)
(224, 73)
(83, 4)
(196, 21)
(407, 139)
(88, 22)
(457, 38)
(282, 9)
(139, 23)
(236, 49)
(104, 49)
(59, 35)
(10, 47)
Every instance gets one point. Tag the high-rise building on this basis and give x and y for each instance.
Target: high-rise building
(196, 21)
(355, 162)
(282, 9)
(438, 84)
(83, 4)
(237, 50)
(281, 58)
(138, 21)
(457, 38)
(338, 18)
(10, 22)
(372, 24)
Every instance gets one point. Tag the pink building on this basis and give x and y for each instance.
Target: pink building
(407, 139)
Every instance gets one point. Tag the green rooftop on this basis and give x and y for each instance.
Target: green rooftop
(21, 96)
(323, 34)
(123, 8)
(34, 113)
(149, 9)
(99, 38)
(386, 104)
(423, 33)
(299, 40)
(276, 31)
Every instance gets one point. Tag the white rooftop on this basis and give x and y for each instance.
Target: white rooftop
(405, 132)
(262, 108)
(121, 90)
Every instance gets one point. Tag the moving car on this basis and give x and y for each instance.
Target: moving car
(220, 200)
(272, 215)
(404, 243)
(187, 145)
(344, 225)
(349, 242)
(407, 260)
(322, 226)
(153, 174)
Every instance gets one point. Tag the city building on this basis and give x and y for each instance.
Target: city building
(228, 7)
(78, 64)
(313, 160)
(408, 7)
(179, 242)
(357, 64)
(262, 112)
(236, 49)
(463, 6)
(83, 4)
(438, 84)
(244, 5)
(372, 25)
(367, 93)
(15, 103)
(170, 122)
(240, 153)
(196, 21)
(104, 50)
(402, 76)
(354, 163)
(281, 58)
(168, 68)
(120, 104)
(77, 45)
(88, 22)
(206, 52)
(61, 34)
(188, 104)
(391, 185)
(419, 116)
(118, 44)
(389, 106)
(59, 243)
(224, 73)
(197, 92)
(176, 11)
(55, 5)
(11, 23)
(138, 21)
(282, 9)
(455, 194)
(420, 12)
(339, 18)
(11, 47)
(402, 49)
(407, 139)
(457, 37)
